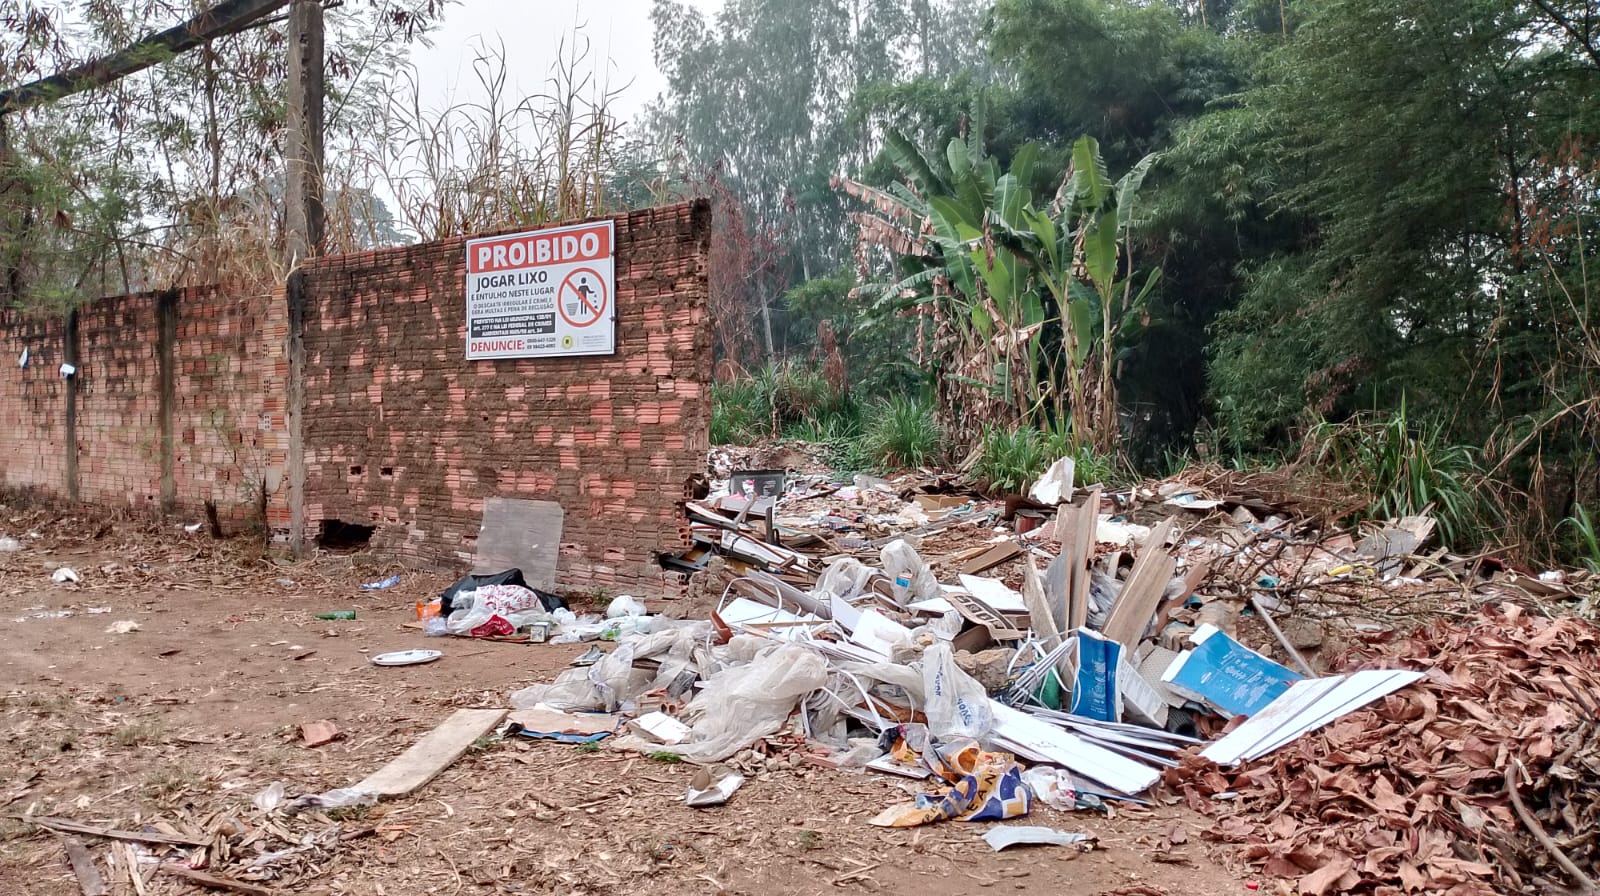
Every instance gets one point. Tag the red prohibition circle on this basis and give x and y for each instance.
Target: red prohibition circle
(597, 306)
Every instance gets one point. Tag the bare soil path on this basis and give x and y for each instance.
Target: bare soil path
(185, 720)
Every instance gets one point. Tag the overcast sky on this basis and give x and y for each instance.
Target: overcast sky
(532, 31)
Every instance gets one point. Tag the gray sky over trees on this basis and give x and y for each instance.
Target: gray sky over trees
(532, 31)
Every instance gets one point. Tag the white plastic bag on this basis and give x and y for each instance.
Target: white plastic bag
(625, 605)
(1055, 486)
(844, 578)
(1055, 788)
(743, 703)
(471, 609)
(957, 706)
(572, 691)
(913, 580)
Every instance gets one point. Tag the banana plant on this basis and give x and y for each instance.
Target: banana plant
(1040, 300)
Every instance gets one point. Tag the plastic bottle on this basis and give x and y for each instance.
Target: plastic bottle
(343, 615)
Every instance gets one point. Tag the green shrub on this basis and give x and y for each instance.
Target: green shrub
(902, 432)
(741, 411)
(1404, 469)
(780, 398)
(840, 435)
(1009, 460)
(1587, 547)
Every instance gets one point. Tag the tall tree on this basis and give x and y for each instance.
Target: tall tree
(173, 174)
(763, 95)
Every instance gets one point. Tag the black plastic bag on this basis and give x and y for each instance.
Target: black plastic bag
(550, 602)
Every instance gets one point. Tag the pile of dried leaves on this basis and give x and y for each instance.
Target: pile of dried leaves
(1413, 794)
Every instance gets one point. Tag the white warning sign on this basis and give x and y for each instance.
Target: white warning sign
(545, 293)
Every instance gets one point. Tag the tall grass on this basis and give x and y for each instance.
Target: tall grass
(1586, 549)
(505, 159)
(1406, 468)
(902, 432)
(788, 399)
(1009, 460)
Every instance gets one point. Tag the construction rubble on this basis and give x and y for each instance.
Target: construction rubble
(1201, 639)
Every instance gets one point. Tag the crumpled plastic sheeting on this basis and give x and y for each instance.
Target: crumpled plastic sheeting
(984, 786)
(745, 702)
(613, 681)
(957, 706)
(844, 578)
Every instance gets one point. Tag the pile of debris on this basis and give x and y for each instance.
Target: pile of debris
(1078, 647)
(1478, 782)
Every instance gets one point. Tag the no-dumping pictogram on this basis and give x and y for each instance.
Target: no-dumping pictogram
(582, 298)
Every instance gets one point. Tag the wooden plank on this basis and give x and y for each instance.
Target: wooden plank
(1080, 553)
(1000, 553)
(1040, 617)
(1191, 582)
(213, 881)
(433, 754)
(68, 826)
(1141, 594)
(83, 867)
(130, 861)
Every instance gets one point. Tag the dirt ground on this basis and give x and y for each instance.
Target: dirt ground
(179, 725)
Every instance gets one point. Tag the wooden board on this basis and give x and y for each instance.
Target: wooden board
(83, 867)
(212, 881)
(1079, 549)
(433, 754)
(1141, 594)
(1191, 583)
(1040, 617)
(991, 558)
(66, 825)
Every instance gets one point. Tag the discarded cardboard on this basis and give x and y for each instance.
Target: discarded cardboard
(712, 786)
(566, 727)
(1055, 486)
(432, 754)
(1094, 692)
(994, 594)
(658, 727)
(1226, 675)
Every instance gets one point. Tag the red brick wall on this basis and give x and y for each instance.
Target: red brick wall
(119, 428)
(231, 374)
(400, 431)
(228, 430)
(403, 433)
(33, 436)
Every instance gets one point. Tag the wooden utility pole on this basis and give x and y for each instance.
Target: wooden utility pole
(303, 133)
(303, 221)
